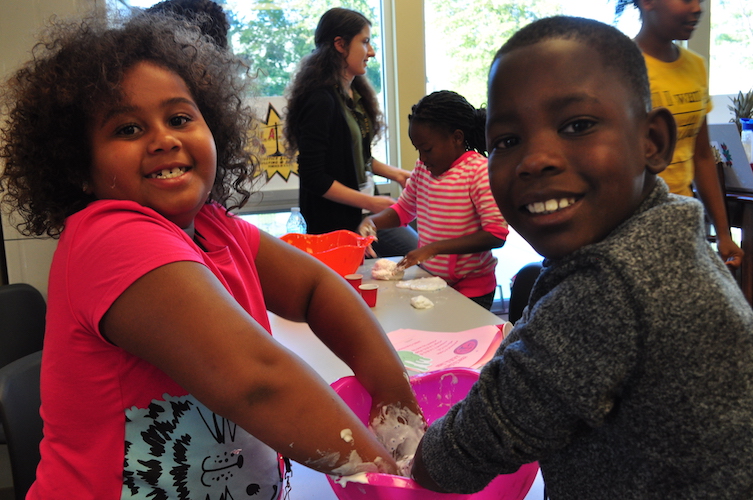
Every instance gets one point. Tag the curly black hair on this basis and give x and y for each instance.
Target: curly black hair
(323, 69)
(206, 14)
(451, 111)
(76, 70)
(617, 52)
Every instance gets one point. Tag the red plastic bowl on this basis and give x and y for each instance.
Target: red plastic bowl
(436, 393)
(340, 250)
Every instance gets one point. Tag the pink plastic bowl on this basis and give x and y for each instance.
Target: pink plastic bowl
(340, 250)
(436, 393)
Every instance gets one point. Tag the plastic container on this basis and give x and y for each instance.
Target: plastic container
(436, 393)
(746, 136)
(296, 223)
(341, 250)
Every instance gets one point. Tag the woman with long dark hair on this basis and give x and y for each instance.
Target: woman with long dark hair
(332, 118)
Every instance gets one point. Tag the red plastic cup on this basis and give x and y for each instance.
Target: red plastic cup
(369, 293)
(354, 280)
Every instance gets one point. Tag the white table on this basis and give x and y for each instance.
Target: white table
(451, 312)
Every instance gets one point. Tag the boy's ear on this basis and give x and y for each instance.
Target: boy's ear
(661, 137)
(644, 5)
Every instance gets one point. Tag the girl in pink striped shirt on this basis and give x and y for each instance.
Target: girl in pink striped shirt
(448, 193)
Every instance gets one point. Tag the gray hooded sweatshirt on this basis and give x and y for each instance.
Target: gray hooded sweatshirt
(629, 376)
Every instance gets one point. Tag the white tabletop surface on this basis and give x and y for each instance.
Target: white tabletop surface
(451, 312)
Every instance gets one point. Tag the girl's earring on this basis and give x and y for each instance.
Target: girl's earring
(85, 187)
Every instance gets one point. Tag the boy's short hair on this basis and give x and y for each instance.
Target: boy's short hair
(617, 51)
(75, 72)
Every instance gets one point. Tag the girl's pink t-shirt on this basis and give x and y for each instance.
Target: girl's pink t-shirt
(116, 426)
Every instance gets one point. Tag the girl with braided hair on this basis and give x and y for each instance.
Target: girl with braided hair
(448, 193)
(679, 82)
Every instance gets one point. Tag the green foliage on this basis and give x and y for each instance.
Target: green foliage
(473, 36)
(273, 36)
(731, 47)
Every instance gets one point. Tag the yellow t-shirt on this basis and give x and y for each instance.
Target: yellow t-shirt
(682, 87)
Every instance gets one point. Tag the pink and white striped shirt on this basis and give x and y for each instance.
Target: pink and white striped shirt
(457, 203)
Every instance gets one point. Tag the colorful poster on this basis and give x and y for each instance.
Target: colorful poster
(423, 351)
(274, 160)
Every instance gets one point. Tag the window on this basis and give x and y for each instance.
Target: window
(274, 36)
(461, 42)
(731, 47)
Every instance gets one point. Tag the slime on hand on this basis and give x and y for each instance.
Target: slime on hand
(399, 430)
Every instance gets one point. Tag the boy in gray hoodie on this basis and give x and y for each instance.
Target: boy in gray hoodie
(630, 375)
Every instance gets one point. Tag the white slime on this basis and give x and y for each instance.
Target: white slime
(385, 269)
(399, 430)
(346, 435)
(353, 478)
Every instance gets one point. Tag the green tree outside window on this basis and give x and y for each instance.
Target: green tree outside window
(273, 36)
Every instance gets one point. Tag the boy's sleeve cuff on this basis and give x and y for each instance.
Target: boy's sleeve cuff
(443, 468)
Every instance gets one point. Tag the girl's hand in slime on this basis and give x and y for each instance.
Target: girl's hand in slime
(417, 256)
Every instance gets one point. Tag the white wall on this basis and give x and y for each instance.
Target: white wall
(28, 259)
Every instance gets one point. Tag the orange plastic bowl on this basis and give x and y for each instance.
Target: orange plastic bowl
(342, 250)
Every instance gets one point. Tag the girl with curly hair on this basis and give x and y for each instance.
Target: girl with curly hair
(159, 373)
(332, 118)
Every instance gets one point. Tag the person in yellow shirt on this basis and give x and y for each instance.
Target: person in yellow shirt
(679, 82)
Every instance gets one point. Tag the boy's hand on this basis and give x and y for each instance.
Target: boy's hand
(420, 475)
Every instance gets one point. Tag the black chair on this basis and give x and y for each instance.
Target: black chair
(22, 321)
(520, 290)
(19, 414)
